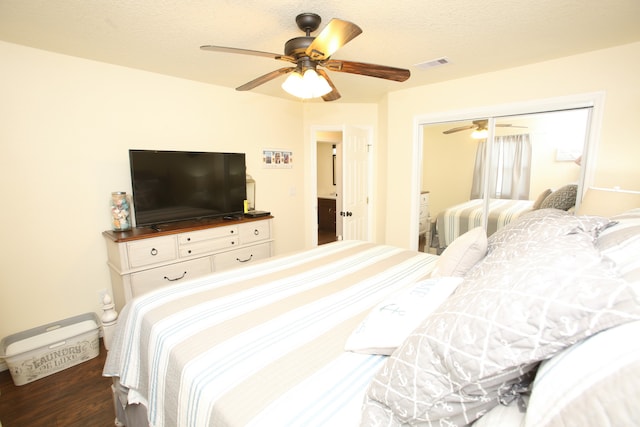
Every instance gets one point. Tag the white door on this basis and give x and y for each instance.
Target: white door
(353, 200)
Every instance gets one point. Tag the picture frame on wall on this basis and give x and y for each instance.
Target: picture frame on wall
(277, 159)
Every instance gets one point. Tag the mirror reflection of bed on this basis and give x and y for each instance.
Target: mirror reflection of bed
(450, 161)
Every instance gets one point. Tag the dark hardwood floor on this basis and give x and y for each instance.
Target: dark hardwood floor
(324, 237)
(76, 397)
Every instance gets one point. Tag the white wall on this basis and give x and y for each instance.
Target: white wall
(325, 169)
(448, 163)
(613, 71)
(66, 126)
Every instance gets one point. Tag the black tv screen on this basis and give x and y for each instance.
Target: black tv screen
(173, 186)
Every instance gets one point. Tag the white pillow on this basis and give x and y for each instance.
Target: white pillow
(592, 383)
(540, 199)
(462, 254)
(391, 321)
(621, 243)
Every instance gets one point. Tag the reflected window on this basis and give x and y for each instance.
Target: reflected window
(510, 166)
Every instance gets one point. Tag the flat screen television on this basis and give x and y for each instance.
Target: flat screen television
(171, 186)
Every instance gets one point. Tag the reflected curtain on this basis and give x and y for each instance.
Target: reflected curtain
(509, 166)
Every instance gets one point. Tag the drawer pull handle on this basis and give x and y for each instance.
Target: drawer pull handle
(177, 278)
(256, 232)
(245, 260)
(154, 251)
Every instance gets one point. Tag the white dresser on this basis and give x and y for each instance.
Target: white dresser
(142, 259)
(424, 219)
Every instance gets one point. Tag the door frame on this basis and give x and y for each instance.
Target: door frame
(313, 179)
(594, 100)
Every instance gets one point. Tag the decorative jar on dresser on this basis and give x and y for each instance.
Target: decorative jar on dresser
(143, 259)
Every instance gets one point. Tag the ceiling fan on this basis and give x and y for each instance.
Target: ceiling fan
(310, 53)
(479, 125)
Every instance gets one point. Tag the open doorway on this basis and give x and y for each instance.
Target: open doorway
(352, 172)
(328, 185)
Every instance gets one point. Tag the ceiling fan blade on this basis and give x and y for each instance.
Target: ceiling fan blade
(507, 125)
(336, 34)
(334, 94)
(480, 124)
(265, 78)
(223, 49)
(458, 129)
(372, 70)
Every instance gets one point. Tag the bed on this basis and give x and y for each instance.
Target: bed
(260, 347)
(539, 330)
(458, 219)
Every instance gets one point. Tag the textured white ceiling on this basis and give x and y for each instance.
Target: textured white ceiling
(164, 36)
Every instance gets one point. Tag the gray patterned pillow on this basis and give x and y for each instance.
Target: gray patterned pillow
(563, 198)
(542, 225)
(502, 320)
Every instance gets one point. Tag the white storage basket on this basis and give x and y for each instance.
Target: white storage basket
(47, 349)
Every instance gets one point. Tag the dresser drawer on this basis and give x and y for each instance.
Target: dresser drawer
(240, 257)
(151, 251)
(255, 232)
(207, 246)
(424, 198)
(424, 225)
(212, 233)
(148, 280)
(424, 211)
(141, 261)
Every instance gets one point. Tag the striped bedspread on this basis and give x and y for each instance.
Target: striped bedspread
(262, 345)
(458, 219)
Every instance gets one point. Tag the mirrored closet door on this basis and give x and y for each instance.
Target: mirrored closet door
(488, 171)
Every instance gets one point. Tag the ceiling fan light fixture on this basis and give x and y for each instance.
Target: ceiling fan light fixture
(307, 85)
(479, 134)
(293, 83)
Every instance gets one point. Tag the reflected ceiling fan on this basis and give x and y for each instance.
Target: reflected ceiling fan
(311, 53)
(479, 126)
